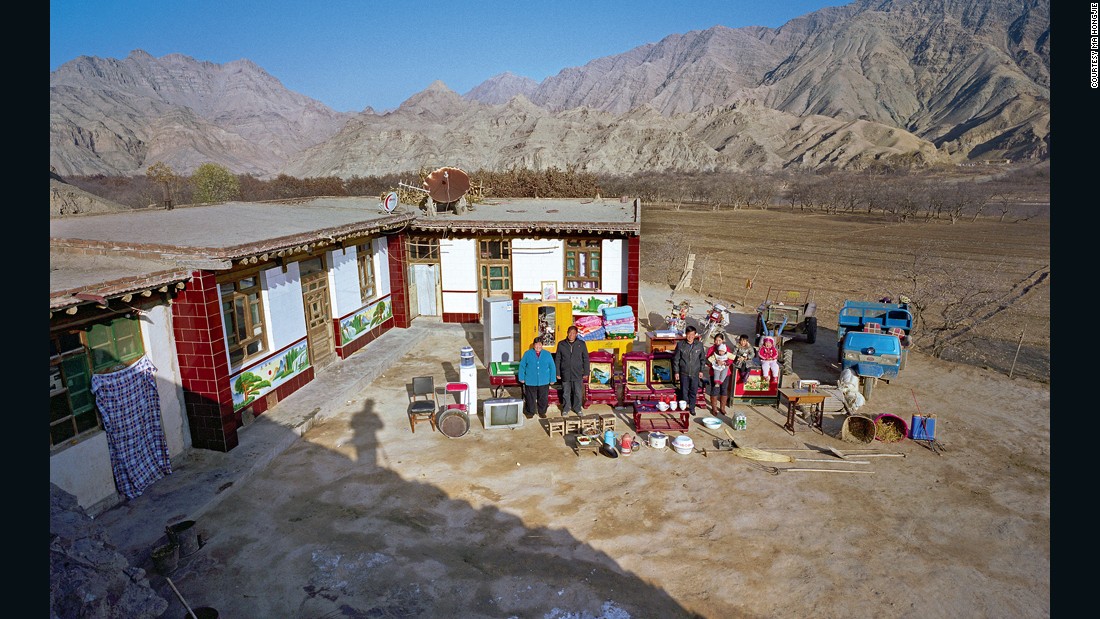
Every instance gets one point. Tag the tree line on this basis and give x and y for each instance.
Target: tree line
(901, 194)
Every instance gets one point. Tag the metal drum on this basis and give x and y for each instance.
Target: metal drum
(453, 422)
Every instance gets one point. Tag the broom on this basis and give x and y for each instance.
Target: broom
(754, 454)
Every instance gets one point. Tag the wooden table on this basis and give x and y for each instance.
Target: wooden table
(658, 343)
(648, 417)
(796, 397)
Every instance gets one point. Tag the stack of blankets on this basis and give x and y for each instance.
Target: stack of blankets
(618, 322)
(590, 328)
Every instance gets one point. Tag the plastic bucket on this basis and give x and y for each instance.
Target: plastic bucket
(890, 428)
(453, 422)
(858, 429)
(186, 535)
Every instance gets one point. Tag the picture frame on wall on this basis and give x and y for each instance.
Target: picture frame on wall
(550, 291)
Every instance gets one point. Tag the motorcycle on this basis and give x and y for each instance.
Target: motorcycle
(715, 321)
(677, 316)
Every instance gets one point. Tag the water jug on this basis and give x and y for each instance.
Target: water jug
(466, 357)
(609, 438)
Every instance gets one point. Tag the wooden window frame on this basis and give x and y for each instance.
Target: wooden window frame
(591, 250)
(368, 283)
(487, 260)
(81, 356)
(237, 346)
(415, 252)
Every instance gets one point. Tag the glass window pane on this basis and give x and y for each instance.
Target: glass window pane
(227, 289)
(81, 401)
(61, 432)
(59, 407)
(86, 421)
(99, 335)
(247, 282)
(70, 342)
(496, 284)
(238, 319)
(255, 307)
(236, 356)
(253, 347)
(495, 271)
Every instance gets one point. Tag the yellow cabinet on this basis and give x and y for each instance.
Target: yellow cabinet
(546, 319)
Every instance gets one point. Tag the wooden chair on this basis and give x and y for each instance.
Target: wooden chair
(661, 375)
(423, 409)
(636, 369)
(601, 385)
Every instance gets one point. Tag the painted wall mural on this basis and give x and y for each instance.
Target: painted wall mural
(590, 304)
(257, 381)
(364, 320)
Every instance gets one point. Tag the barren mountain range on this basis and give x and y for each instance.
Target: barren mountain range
(907, 81)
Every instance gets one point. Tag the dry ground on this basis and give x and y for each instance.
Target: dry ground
(859, 257)
(363, 518)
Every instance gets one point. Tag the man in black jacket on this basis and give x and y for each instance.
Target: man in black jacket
(688, 364)
(572, 361)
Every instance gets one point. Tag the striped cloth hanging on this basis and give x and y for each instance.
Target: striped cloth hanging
(130, 406)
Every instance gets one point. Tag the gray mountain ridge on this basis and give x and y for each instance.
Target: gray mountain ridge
(913, 82)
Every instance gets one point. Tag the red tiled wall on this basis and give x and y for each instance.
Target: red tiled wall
(361, 341)
(461, 317)
(633, 262)
(398, 293)
(204, 367)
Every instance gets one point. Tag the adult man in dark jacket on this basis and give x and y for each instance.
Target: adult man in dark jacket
(572, 362)
(688, 364)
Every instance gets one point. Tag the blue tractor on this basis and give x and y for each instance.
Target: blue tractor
(873, 340)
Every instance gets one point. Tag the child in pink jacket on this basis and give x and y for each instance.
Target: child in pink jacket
(769, 358)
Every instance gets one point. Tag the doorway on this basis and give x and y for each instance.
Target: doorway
(425, 287)
(322, 347)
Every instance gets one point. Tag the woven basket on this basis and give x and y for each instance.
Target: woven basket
(858, 429)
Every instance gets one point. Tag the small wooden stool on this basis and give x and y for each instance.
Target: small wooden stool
(555, 425)
(572, 424)
(590, 422)
(607, 422)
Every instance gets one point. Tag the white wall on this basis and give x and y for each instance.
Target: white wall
(345, 281)
(535, 261)
(614, 270)
(458, 267)
(284, 311)
(84, 469)
(382, 265)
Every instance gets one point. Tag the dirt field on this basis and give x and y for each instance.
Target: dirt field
(363, 518)
(862, 257)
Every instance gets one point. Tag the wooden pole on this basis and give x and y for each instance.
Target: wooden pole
(1018, 345)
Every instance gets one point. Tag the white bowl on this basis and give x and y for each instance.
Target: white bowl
(711, 422)
(683, 450)
(662, 406)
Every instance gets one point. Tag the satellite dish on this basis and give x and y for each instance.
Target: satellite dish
(447, 185)
(390, 202)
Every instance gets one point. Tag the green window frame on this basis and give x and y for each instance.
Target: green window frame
(364, 257)
(243, 317)
(74, 356)
(583, 264)
(495, 257)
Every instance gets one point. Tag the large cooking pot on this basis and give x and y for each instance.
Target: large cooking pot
(453, 422)
(657, 440)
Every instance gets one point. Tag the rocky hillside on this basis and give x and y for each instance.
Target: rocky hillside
(972, 76)
(913, 81)
(111, 116)
(68, 200)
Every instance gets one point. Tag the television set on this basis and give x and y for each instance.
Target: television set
(502, 413)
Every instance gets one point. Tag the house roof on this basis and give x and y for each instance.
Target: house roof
(117, 254)
(102, 278)
(540, 215)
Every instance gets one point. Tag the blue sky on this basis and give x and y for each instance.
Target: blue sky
(350, 55)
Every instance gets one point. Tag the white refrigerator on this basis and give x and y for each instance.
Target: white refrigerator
(500, 341)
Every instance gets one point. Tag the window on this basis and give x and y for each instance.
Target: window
(423, 249)
(74, 356)
(242, 312)
(582, 264)
(496, 266)
(365, 259)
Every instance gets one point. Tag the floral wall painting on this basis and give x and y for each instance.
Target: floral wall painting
(364, 320)
(259, 380)
(590, 304)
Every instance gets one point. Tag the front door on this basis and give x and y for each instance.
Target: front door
(322, 348)
(425, 280)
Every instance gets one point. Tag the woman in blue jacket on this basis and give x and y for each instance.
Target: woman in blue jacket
(536, 372)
